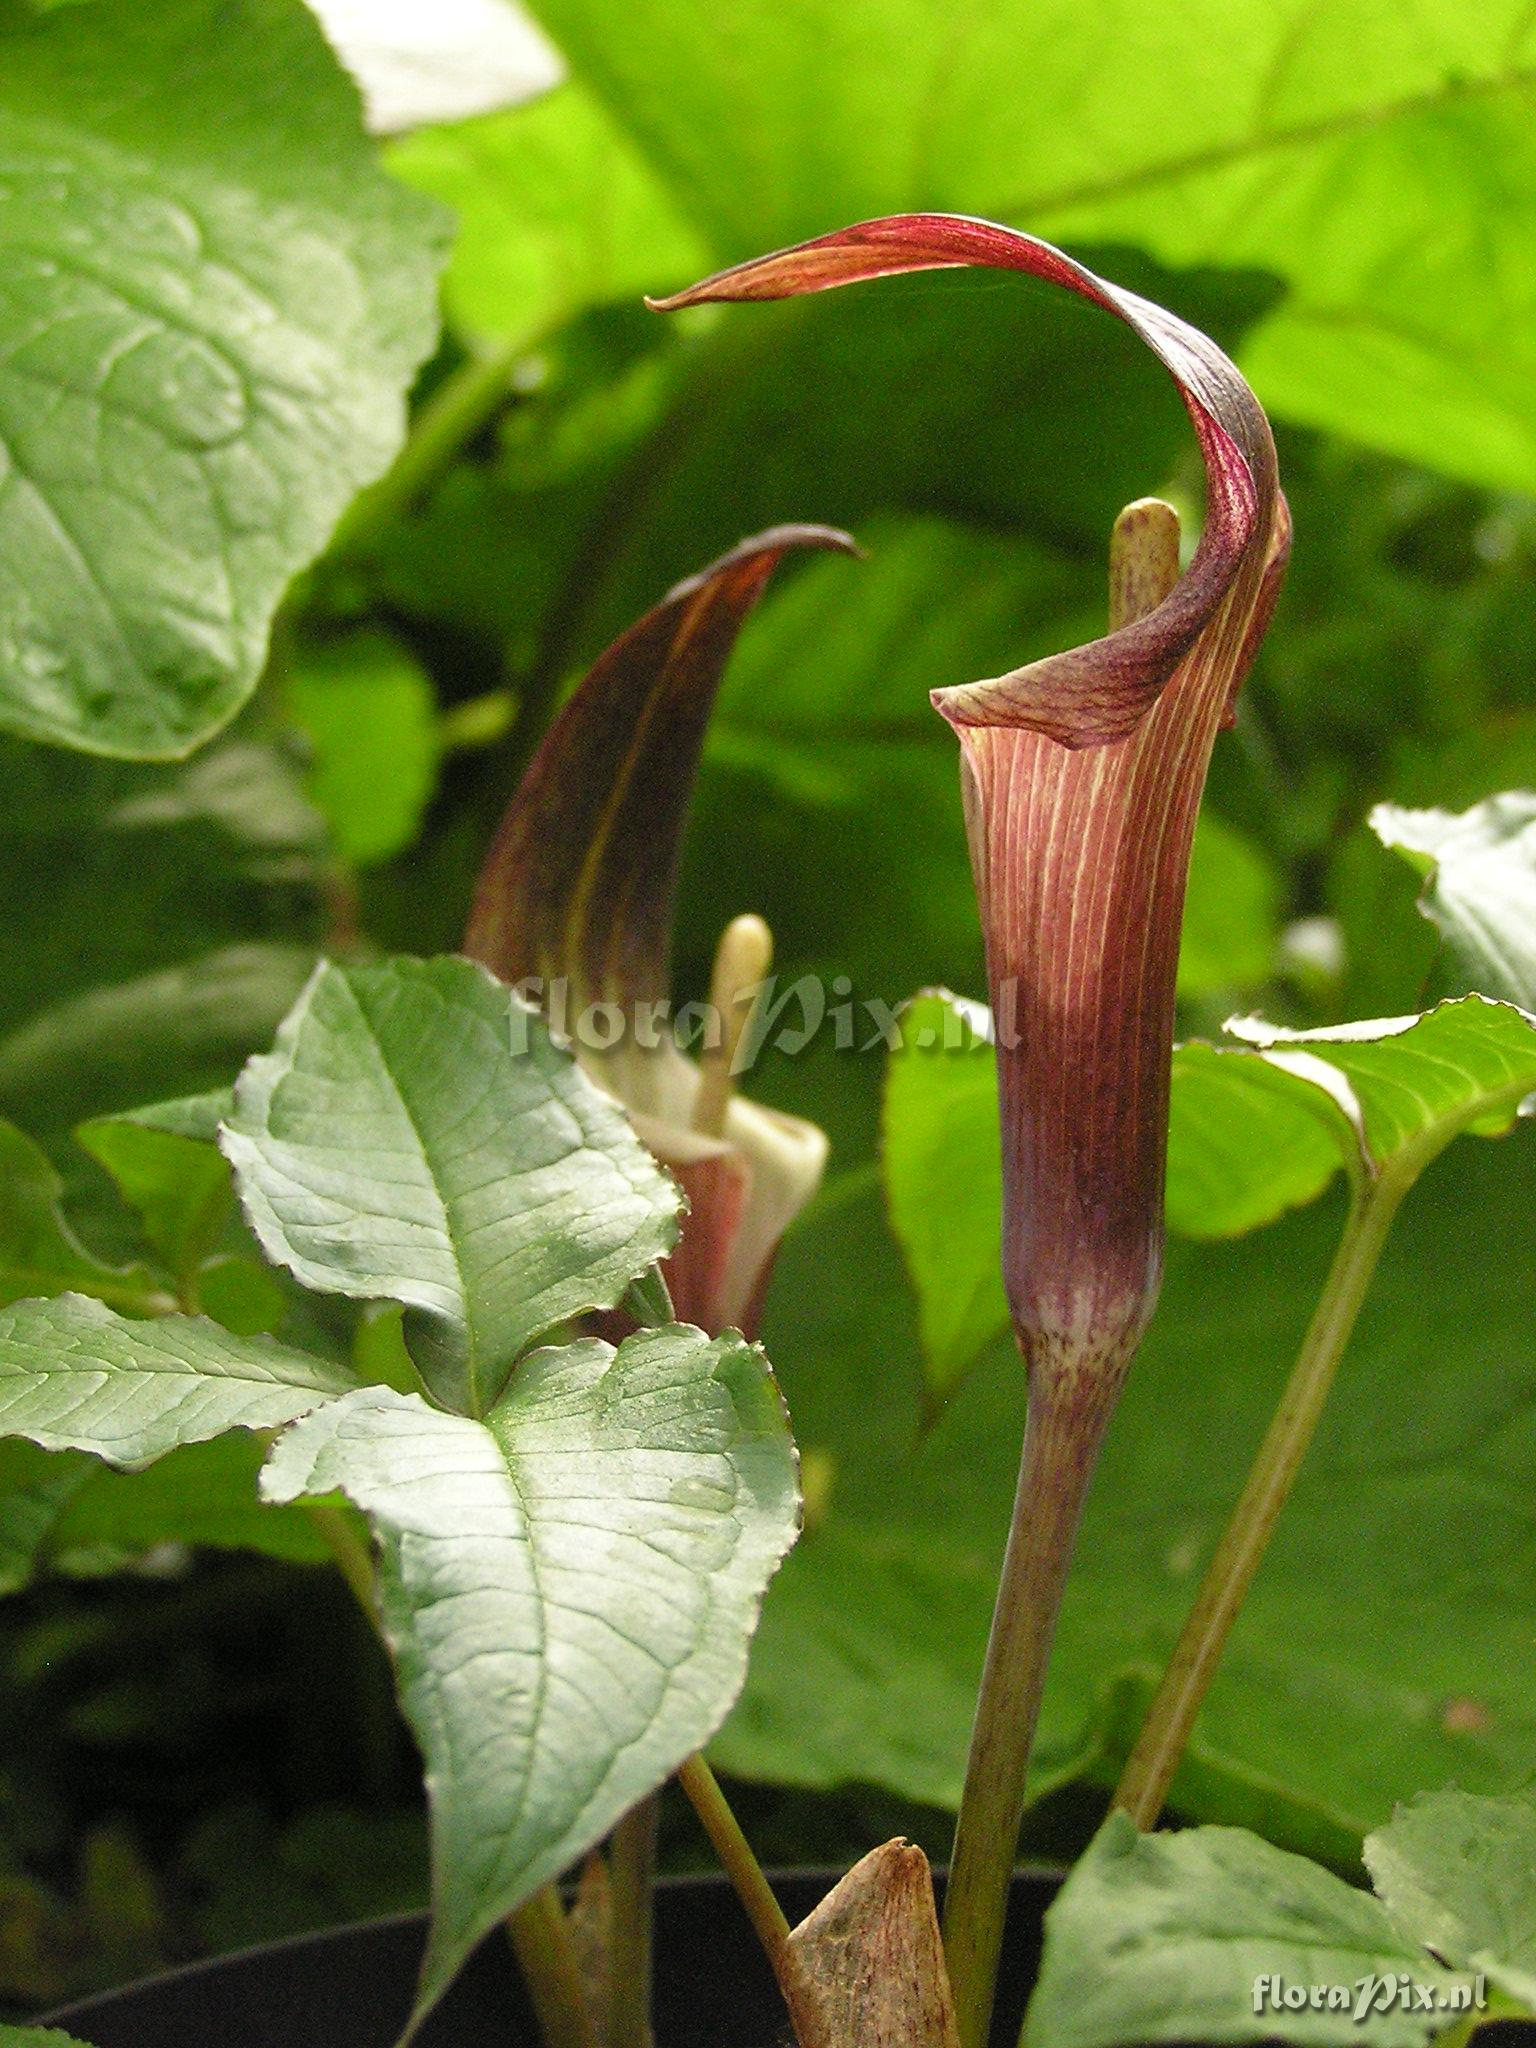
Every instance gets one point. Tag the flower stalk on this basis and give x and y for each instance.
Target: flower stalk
(1082, 776)
(1075, 1377)
(632, 1888)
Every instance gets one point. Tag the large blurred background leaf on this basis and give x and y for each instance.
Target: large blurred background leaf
(213, 307)
(161, 920)
(1380, 163)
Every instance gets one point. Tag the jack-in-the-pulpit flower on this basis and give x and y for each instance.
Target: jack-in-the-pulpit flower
(575, 905)
(1082, 775)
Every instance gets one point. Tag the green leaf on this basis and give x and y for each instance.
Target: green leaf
(215, 303)
(1252, 1133)
(35, 1488)
(187, 1116)
(1231, 912)
(1238, 132)
(1166, 1937)
(75, 1376)
(38, 2037)
(1338, 1693)
(1411, 1083)
(189, 1025)
(1480, 887)
(160, 918)
(370, 717)
(940, 1132)
(200, 1494)
(241, 1293)
(417, 1137)
(557, 211)
(178, 1186)
(1459, 1873)
(568, 1586)
(1246, 1142)
(39, 1253)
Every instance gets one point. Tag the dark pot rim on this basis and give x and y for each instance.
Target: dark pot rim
(383, 1951)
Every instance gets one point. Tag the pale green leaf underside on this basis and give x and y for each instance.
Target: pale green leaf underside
(1459, 1872)
(76, 1376)
(1161, 1938)
(569, 1588)
(1481, 886)
(417, 1137)
(213, 304)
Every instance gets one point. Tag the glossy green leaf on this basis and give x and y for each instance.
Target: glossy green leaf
(1459, 1872)
(1480, 887)
(76, 1376)
(214, 306)
(39, 1253)
(569, 1587)
(1353, 153)
(1170, 1937)
(417, 1137)
(1340, 1692)
(370, 718)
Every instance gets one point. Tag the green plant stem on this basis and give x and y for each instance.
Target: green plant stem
(632, 1885)
(351, 1556)
(1149, 1773)
(1068, 1413)
(740, 1866)
(541, 1937)
(461, 405)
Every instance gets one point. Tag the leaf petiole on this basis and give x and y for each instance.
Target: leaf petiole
(741, 1867)
(1155, 1758)
(541, 1937)
(632, 1884)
